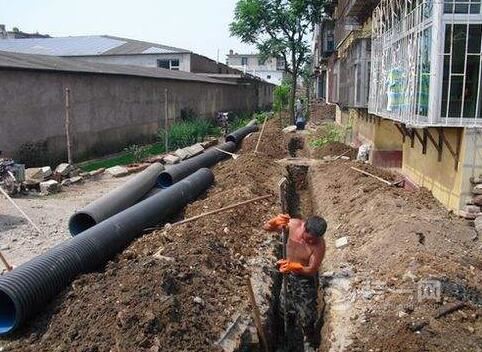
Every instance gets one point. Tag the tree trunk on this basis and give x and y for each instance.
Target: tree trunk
(293, 97)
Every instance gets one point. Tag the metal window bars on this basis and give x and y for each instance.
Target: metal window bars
(412, 66)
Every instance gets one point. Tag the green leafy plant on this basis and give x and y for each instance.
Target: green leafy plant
(186, 133)
(137, 152)
(331, 133)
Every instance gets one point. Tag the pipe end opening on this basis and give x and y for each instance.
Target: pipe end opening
(164, 180)
(80, 222)
(231, 139)
(8, 314)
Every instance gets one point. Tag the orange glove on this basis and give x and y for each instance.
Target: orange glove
(289, 267)
(277, 223)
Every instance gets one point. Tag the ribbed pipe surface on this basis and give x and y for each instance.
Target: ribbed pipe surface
(238, 135)
(115, 201)
(207, 159)
(29, 287)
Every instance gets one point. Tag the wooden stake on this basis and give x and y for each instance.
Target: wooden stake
(214, 212)
(67, 126)
(166, 118)
(261, 134)
(371, 175)
(257, 316)
(20, 210)
(4, 261)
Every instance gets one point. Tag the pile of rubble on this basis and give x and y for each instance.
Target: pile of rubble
(46, 181)
(472, 211)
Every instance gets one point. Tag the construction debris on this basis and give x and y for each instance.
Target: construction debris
(49, 187)
(118, 171)
(341, 242)
(171, 159)
(63, 169)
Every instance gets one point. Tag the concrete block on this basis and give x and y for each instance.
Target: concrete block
(473, 209)
(210, 143)
(469, 216)
(118, 171)
(477, 200)
(77, 179)
(63, 169)
(171, 159)
(289, 129)
(38, 173)
(46, 172)
(195, 149)
(97, 172)
(476, 180)
(66, 182)
(477, 190)
(183, 154)
(478, 225)
(50, 186)
(341, 242)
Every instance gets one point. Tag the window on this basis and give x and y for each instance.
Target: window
(163, 64)
(244, 61)
(461, 70)
(261, 62)
(169, 64)
(462, 6)
(268, 76)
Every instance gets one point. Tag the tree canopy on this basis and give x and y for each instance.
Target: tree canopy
(280, 29)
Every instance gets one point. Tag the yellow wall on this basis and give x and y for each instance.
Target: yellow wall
(439, 177)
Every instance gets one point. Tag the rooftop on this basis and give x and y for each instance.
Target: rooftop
(95, 45)
(51, 63)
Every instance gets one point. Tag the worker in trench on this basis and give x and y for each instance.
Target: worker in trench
(305, 252)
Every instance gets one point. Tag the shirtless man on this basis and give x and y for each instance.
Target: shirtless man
(305, 251)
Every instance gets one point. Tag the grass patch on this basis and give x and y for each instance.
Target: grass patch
(125, 158)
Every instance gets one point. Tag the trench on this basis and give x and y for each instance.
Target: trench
(296, 199)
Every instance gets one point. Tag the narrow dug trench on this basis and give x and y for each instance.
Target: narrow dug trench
(296, 199)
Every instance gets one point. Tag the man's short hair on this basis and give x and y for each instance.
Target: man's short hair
(315, 226)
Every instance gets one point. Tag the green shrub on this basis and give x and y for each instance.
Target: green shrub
(186, 133)
(137, 152)
(329, 134)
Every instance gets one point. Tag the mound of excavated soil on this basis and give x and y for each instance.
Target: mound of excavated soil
(174, 289)
(397, 240)
(334, 149)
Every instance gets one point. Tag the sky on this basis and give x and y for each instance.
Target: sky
(201, 26)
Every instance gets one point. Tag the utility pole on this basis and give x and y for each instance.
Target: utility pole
(166, 117)
(67, 125)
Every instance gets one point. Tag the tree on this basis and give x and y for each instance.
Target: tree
(279, 28)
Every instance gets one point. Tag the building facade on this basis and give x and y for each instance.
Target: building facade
(271, 70)
(117, 51)
(406, 78)
(323, 48)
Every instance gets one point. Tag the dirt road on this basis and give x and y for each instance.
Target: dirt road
(19, 242)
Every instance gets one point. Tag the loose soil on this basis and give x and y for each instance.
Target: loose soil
(397, 241)
(178, 288)
(175, 289)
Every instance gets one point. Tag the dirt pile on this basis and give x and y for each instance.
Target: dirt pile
(399, 242)
(175, 289)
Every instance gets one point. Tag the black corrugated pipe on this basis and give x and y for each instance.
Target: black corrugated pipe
(238, 135)
(113, 202)
(209, 158)
(29, 287)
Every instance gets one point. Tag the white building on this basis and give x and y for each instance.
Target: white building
(115, 50)
(271, 70)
